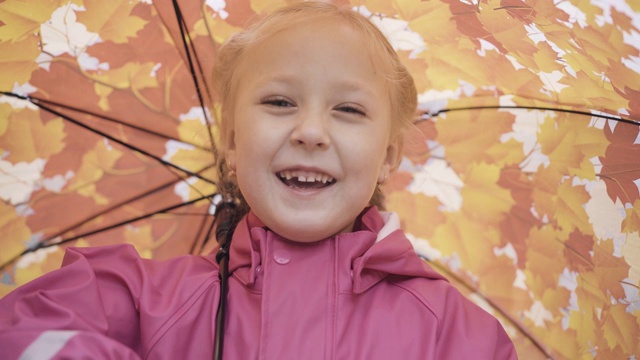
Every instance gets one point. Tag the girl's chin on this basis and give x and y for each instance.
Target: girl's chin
(308, 233)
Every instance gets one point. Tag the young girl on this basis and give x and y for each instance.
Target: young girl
(315, 105)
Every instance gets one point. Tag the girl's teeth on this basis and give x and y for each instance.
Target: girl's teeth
(288, 175)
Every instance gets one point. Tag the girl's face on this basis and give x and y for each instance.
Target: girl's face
(311, 129)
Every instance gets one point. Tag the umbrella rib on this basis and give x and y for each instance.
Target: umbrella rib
(426, 115)
(36, 101)
(126, 222)
(106, 228)
(186, 40)
(112, 208)
(114, 139)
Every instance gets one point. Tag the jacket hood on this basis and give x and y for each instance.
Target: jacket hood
(376, 249)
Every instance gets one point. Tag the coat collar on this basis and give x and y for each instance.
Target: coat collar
(376, 249)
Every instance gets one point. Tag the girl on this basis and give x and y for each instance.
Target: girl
(315, 102)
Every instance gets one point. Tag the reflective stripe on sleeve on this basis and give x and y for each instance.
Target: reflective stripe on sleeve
(47, 345)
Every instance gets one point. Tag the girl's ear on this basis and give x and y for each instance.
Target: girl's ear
(392, 160)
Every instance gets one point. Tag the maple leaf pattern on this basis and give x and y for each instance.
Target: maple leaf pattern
(532, 213)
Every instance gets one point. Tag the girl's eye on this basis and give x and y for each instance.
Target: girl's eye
(350, 109)
(277, 102)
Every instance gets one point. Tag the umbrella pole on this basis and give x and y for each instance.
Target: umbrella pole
(226, 218)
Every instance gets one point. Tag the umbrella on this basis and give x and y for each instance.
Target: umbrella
(520, 181)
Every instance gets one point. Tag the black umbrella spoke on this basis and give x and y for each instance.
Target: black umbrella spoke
(119, 205)
(114, 139)
(194, 61)
(36, 101)
(56, 242)
(425, 116)
(121, 223)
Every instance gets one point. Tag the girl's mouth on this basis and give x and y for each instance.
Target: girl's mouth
(305, 179)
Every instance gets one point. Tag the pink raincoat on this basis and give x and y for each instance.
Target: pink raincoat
(360, 295)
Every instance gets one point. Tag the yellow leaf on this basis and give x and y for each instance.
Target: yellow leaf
(609, 269)
(619, 329)
(419, 213)
(17, 62)
(194, 132)
(584, 329)
(631, 222)
(591, 299)
(267, 6)
(219, 29)
(463, 139)
(507, 30)
(111, 19)
(570, 145)
(14, 230)
(496, 280)
(570, 212)
(93, 167)
(445, 72)
(28, 138)
(141, 238)
(132, 75)
(103, 92)
(21, 20)
(430, 19)
(483, 199)
(545, 261)
(5, 110)
(506, 153)
(471, 241)
(545, 189)
(563, 342)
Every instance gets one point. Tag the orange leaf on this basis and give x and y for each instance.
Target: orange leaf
(577, 251)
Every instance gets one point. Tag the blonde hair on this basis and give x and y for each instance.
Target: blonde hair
(402, 90)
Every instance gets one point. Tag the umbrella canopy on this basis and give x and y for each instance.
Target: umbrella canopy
(521, 180)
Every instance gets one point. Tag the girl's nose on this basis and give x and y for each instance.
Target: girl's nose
(311, 132)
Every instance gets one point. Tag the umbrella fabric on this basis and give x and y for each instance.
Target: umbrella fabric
(520, 181)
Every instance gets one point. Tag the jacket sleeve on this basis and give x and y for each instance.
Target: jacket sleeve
(88, 307)
(468, 332)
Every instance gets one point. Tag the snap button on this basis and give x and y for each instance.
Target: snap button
(282, 257)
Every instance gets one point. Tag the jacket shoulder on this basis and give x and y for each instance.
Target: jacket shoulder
(464, 330)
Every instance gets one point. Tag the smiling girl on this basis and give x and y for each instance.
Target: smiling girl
(315, 103)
